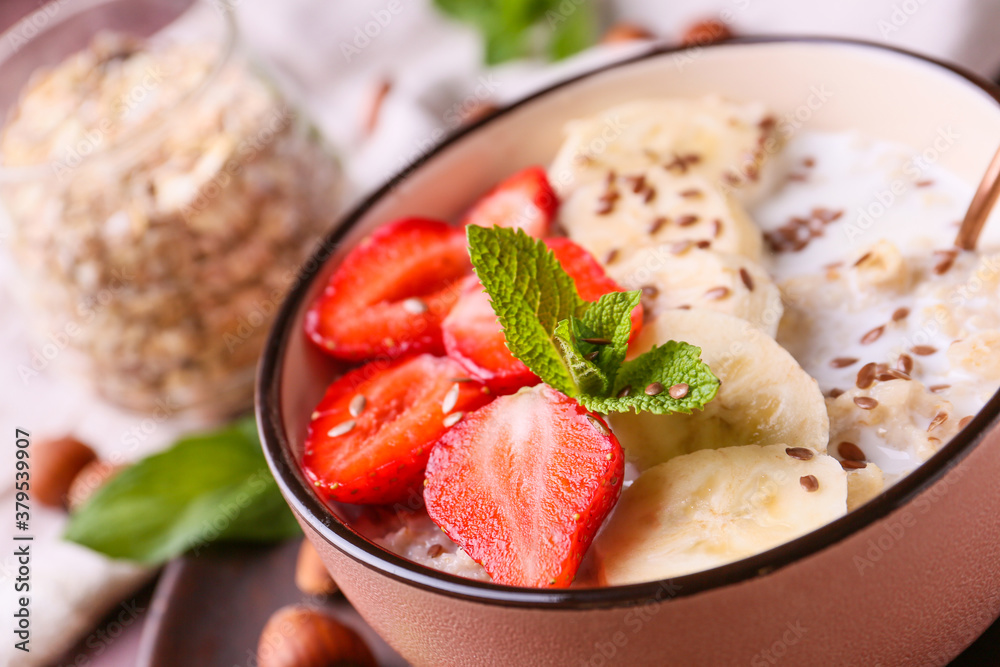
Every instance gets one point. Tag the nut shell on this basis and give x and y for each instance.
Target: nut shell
(299, 636)
(54, 465)
(311, 576)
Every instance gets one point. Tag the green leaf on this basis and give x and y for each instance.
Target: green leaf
(587, 376)
(669, 364)
(531, 294)
(209, 487)
(574, 32)
(610, 319)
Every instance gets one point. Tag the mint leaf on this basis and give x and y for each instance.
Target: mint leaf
(572, 31)
(670, 364)
(209, 487)
(610, 319)
(531, 294)
(587, 376)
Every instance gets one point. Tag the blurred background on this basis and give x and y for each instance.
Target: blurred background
(319, 102)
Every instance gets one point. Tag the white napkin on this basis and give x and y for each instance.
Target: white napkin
(435, 68)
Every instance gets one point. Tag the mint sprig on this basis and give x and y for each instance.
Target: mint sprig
(578, 346)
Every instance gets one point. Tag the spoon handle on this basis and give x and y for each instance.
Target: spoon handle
(979, 209)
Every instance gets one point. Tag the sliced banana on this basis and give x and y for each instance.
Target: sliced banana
(651, 206)
(698, 278)
(901, 415)
(729, 143)
(765, 396)
(978, 353)
(881, 265)
(863, 485)
(713, 507)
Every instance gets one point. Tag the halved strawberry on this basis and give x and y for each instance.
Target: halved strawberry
(522, 201)
(370, 436)
(391, 292)
(473, 338)
(588, 275)
(523, 484)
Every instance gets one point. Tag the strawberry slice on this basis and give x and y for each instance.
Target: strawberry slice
(588, 275)
(370, 436)
(522, 201)
(523, 484)
(473, 338)
(391, 292)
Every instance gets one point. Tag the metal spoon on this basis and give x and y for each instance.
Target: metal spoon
(982, 204)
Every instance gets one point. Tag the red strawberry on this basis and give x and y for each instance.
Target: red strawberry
(473, 337)
(588, 275)
(522, 201)
(370, 436)
(523, 484)
(391, 292)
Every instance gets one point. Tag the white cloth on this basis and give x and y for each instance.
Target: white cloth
(329, 56)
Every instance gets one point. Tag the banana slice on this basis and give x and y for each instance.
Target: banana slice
(863, 485)
(651, 206)
(701, 279)
(765, 397)
(728, 143)
(713, 507)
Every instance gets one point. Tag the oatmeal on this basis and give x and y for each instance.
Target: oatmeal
(162, 199)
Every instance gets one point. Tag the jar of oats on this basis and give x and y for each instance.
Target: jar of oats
(160, 196)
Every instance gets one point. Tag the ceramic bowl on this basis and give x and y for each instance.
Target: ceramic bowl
(910, 578)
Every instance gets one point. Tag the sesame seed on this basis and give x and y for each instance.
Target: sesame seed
(843, 362)
(905, 363)
(939, 419)
(596, 423)
(450, 399)
(866, 376)
(872, 335)
(434, 550)
(965, 421)
(865, 402)
(678, 391)
(687, 220)
(800, 453)
(656, 225)
(938, 388)
(923, 350)
(341, 429)
(746, 278)
(415, 306)
(853, 465)
(851, 452)
(624, 391)
(900, 314)
(717, 293)
(809, 483)
(654, 388)
(453, 419)
(611, 256)
(357, 405)
(596, 341)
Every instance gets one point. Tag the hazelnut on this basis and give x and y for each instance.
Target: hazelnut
(625, 32)
(706, 32)
(298, 636)
(54, 464)
(90, 478)
(311, 575)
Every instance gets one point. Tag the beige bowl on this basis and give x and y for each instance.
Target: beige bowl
(910, 578)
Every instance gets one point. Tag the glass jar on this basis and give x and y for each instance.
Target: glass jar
(160, 195)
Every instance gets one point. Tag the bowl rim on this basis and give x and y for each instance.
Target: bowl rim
(313, 512)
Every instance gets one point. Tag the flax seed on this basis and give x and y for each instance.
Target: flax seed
(843, 362)
(873, 335)
(678, 391)
(657, 225)
(654, 389)
(853, 465)
(851, 452)
(866, 376)
(746, 278)
(717, 293)
(865, 402)
(800, 453)
(923, 350)
(809, 483)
